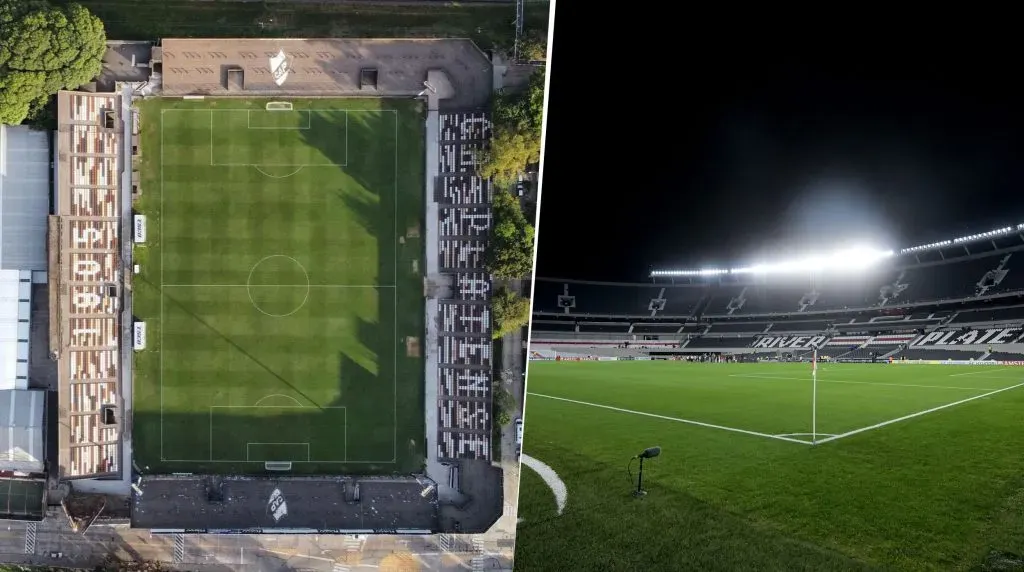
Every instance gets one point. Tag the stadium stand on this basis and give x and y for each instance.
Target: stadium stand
(663, 328)
(1006, 356)
(465, 346)
(739, 327)
(951, 280)
(719, 343)
(871, 352)
(923, 354)
(811, 326)
(1005, 314)
(915, 305)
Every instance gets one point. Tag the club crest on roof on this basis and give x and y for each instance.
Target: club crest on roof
(279, 67)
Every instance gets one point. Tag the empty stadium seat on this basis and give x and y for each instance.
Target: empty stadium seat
(936, 354)
(738, 327)
(951, 280)
(1000, 315)
(720, 343)
(800, 326)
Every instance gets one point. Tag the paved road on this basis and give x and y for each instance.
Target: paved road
(221, 553)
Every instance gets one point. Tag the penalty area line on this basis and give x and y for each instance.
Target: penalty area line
(918, 414)
(676, 419)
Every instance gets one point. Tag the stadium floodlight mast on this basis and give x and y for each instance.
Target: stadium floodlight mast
(648, 453)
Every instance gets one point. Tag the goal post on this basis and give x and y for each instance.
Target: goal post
(279, 106)
(277, 465)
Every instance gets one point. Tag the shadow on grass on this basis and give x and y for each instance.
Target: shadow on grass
(383, 409)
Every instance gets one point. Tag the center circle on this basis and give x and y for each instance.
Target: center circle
(278, 286)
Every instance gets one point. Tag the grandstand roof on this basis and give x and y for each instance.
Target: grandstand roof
(90, 130)
(15, 308)
(24, 197)
(322, 66)
(21, 431)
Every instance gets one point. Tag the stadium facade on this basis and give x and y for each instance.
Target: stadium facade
(68, 234)
(959, 301)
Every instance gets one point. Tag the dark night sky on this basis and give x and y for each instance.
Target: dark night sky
(756, 153)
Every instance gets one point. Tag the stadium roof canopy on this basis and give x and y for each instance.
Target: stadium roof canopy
(24, 197)
(21, 431)
(15, 309)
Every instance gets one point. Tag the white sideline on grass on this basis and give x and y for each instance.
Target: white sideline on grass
(918, 414)
(783, 437)
(550, 478)
(676, 419)
(770, 376)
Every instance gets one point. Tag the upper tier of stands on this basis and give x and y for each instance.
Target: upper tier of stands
(912, 282)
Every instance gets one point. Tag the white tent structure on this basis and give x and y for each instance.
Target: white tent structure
(21, 431)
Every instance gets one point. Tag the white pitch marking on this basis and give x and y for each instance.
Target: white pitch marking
(984, 370)
(262, 399)
(804, 435)
(550, 478)
(266, 174)
(918, 414)
(757, 376)
(676, 419)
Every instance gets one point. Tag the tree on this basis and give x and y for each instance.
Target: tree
(508, 155)
(503, 404)
(44, 49)
(533, 47)
(510, 249)
(115, 564)
(509, 312)
(518, 122)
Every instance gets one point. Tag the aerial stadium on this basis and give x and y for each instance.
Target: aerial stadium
(854, 411)
(267, 304)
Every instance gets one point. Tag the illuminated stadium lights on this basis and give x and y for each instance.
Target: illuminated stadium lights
(853, 259)
(963, 239)
(704, 272)
(849, 259)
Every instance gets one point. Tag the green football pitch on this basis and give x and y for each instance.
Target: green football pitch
(281, 287)
(917, 467)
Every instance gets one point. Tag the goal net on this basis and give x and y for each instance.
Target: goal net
(277, 465)
(279, 106)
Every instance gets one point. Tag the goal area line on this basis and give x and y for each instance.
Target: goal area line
(788, 437)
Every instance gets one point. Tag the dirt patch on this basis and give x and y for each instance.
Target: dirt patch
(413, 231)
(412, 346)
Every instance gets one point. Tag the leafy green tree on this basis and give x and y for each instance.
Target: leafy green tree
(518, 121)
(509, 312)
(509, 153)
(535, 96)
(533, 47)
(510, 250)
(504, 405)
(44, 49)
